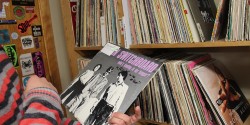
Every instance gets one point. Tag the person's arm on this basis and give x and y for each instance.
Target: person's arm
(42, 104)
(10, 92)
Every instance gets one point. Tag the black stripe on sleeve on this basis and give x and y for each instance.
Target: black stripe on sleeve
(40, 115)
(4, 63)
(8, 92)
(46, 104)
(16, 112)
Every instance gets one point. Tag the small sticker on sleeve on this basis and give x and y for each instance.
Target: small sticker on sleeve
(109, 48)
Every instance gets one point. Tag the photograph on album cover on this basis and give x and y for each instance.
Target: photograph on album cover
(223, 92)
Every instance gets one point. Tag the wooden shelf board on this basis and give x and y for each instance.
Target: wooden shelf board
(177, 45)
(192, 45)
(89, 48)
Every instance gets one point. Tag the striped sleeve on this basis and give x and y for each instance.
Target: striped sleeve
(43, 106)
(10, 92)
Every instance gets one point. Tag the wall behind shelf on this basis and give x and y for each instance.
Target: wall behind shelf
(57, 24)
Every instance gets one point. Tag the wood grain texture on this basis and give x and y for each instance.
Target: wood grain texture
(46, 42)
(49, 44)
(69, 36)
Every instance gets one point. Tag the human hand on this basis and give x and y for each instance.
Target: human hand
(123, 119)
(35, 82)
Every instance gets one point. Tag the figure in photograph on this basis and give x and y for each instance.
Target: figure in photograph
(231, 99)
(68, 97)
(92, 89)
(110, 102)
(228, 97)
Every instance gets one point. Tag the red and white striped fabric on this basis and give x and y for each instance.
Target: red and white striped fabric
(39, 106)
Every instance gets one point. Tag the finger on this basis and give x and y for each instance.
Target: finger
(121, 116)
(137, 114)
(224, 106)
(118, 121)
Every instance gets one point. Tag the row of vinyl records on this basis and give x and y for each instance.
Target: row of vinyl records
(160, 21)
(192, 89)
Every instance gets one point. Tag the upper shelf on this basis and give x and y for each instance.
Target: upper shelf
(89, 48)
(193, 45)
(217, 44)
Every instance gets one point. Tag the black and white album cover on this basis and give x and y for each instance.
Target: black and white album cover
(109, 83)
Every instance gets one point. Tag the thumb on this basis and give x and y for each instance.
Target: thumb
(137, 115)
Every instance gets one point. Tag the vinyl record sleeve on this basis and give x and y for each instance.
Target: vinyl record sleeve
(110, 82)
(223, 92)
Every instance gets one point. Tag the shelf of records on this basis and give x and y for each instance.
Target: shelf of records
(191, 89)
(134, 22)
(219, 44)
(89, 48)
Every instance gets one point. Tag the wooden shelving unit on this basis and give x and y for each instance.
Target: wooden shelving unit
(233, 47)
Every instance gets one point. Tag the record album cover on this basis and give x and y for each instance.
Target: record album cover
(110, 82)
(222, 92)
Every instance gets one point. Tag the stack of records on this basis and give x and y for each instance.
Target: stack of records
(238, 28)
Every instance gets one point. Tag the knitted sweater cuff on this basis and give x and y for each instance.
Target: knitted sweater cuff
(43, 93)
